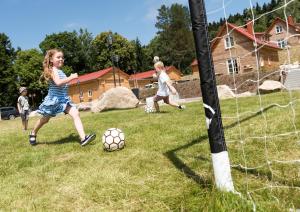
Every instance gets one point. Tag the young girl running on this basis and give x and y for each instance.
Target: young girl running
(57, 100)
(164, 86)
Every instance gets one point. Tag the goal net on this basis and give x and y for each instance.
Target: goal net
(259, 56)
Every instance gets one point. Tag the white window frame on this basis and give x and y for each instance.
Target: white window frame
(281, 43)
(230, 40)
(235, 68)
(278, 29)
(90, 93)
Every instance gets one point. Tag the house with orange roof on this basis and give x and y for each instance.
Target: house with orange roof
(284, 33)
(89, 87)
(234, 51)
(139, 80)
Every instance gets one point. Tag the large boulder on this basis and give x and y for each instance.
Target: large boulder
(269, 86)
(115, 98)
(224, 92)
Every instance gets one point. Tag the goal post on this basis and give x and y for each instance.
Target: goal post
(220, 159)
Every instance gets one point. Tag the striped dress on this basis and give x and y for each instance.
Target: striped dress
(57, 99)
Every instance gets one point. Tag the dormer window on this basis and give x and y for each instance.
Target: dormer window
(278, 29)
(229, 42)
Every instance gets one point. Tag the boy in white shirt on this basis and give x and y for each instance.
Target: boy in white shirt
(23, 107)
(164, 87)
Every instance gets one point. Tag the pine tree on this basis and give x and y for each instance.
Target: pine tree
(175, 36)
(8, 87)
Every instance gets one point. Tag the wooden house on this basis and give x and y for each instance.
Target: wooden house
(234, 51)
(89, 87)
(284, 33)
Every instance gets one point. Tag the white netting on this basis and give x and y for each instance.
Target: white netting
(262, 132)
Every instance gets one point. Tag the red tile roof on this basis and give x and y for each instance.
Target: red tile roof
(294, 26)
(241, 31)
(245, 33)
(90, 76)
(145, 75)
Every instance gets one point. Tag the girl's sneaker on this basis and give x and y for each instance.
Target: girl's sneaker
(32, 139)
(88, 139)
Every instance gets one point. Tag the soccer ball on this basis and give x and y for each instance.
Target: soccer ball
(149, 109)
(113, 139)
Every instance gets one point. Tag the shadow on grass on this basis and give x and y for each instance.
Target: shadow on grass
(249, 117)
(161, 112)
(182, 167)
(70, 139)
(268, 175)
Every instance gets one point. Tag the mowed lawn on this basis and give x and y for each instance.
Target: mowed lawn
(166, 164)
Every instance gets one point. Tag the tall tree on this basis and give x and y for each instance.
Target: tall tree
(8, 87)
(143, 61)
(86, 51)
(120, 46)
(77, 49)
(175, 36)
(28, 67)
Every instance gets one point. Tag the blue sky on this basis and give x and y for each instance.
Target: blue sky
(27, 22)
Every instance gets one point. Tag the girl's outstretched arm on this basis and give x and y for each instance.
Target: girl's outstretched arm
(171, 87)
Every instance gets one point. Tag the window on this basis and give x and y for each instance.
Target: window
(281, 43)
(229, 42)
(278, 29)
(232, 66)
(90, 93)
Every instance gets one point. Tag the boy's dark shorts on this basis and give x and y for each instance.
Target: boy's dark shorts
(25, 115)
(158, 98)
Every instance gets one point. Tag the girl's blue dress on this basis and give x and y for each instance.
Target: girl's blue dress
(57, 99)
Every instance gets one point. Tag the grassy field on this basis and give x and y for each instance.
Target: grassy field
(165, 166)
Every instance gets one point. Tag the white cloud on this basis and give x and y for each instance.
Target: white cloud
(74, 25)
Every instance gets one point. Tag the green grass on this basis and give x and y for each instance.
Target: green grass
(166, 164)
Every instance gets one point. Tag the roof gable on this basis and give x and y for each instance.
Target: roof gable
(279, 20)
(91, 76)
(242, 32)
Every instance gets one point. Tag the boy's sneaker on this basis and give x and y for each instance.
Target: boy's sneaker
(32, 139)
(88, 139)
(181, 107)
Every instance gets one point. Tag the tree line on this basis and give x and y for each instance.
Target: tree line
(85, 53)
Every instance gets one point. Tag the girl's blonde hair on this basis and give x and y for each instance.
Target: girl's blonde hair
(47, 64)
(158, 63)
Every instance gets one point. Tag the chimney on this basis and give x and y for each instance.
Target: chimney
(249, 27)
(291, 20)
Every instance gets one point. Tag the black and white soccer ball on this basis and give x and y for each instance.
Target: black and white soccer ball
(113, 139)
(149, 109)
